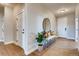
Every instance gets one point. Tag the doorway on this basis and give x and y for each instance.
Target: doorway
(66, 26)
(20, 28)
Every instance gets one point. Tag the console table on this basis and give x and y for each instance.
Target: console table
(50, 40)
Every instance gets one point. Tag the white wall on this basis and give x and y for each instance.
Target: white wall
(8, 24)
(35, 14)
(70, 25)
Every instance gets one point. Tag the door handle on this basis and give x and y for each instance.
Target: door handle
(22, 32)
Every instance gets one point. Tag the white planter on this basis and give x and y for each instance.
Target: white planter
(40, 48)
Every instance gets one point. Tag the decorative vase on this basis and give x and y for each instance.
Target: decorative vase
(40, 48)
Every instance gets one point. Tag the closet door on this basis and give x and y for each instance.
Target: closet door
(20, 28)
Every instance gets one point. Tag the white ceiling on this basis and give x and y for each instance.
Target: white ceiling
(54, 7)
(8, 4)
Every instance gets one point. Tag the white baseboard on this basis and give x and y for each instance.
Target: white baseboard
(67, 37)
(9, 42)
(71, 38)
(76, 40)
(1, 40)
(78, 49)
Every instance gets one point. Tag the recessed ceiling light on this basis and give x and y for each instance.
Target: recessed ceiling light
(62, 10)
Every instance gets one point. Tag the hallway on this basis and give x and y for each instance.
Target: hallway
(61, 47)
(21, 22)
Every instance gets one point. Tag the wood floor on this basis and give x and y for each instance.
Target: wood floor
(11, 50)
(61, 47)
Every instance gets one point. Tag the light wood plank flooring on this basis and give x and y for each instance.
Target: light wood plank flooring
(11, 50)
(61, 47)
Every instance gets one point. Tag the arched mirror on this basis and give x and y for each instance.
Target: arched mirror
(46, 25)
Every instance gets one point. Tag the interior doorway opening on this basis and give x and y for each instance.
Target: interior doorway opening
(2, 37)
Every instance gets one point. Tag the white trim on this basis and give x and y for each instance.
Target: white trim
(67, 37)
(76, 40)
(1, 40)
(15, 43)
(78, 49)
(9, 42)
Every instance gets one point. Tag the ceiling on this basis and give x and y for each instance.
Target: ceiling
(56, 7)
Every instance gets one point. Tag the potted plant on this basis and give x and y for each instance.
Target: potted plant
(40, 40)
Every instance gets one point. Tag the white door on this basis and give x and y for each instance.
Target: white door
(62, 27)
(20, 28)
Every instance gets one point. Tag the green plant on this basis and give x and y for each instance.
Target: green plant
(40, 39)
